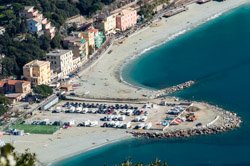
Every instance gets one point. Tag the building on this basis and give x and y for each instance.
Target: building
(1, 65)
(62, 62)
(37, 72)
(52, 100)
(89, 36)
(78, 45)
(34, 25)
(37, 23)
(77, 20)
(2, 30)
(48, 28)
(29, 12)
(15, 90)
(107, 24)
(126, 18)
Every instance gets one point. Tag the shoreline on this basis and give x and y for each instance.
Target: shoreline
(96, 75)
(58, 160)
(104, 80)
(171, 37)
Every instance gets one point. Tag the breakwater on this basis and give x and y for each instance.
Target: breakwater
(175, 88)
(225, 121)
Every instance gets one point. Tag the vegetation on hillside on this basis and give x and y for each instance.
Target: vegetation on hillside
(20, 47)
(154, 163)
(4, 102)
(43, 90)
(147, 9)
(8, 157)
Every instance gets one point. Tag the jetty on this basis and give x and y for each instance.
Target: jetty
(175, 88)
(175, 11)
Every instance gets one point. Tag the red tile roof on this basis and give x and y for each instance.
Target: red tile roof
(13, 82)
(2, 83)
(93, 30)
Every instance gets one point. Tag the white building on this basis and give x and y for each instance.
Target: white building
(62, 62)
(2, 30)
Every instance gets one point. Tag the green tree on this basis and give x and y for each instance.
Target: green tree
(4, 102)
(154, 163)
(43, 90)
(45, 42)
(8, 157)
(56, 41)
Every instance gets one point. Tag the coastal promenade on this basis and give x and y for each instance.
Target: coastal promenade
(103, 80)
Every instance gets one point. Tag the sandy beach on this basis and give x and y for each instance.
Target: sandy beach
(66, 143)
(103, 81)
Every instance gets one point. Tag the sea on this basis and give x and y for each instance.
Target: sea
(216, 55)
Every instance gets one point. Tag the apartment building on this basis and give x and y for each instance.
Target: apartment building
(37, 72)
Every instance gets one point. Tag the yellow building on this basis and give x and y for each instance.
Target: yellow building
(37, 72)
(106, 23)
(89, 36)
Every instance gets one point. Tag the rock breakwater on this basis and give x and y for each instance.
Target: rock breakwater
(225, 121)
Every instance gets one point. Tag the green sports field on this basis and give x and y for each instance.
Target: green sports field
(36, 129)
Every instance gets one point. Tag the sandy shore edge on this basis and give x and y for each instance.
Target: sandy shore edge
(94, 76)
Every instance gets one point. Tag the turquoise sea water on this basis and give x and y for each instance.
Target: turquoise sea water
(217, 55)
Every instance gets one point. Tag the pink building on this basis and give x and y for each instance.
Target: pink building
(126, 18)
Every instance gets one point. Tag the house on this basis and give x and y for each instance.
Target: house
(34, 25)
(89, 36)
(48, 28)
(15, 90)
(37, 72)
(61, 61)
(2, 30)
(126, 18)
(78, 20)
(106, 23)
(78, 45)
(29, 12)
(15, 86)
(37, 23)
(14, 97)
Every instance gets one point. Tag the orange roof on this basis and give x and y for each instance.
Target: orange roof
(93, 30)
(13, 82)
(2, 83)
